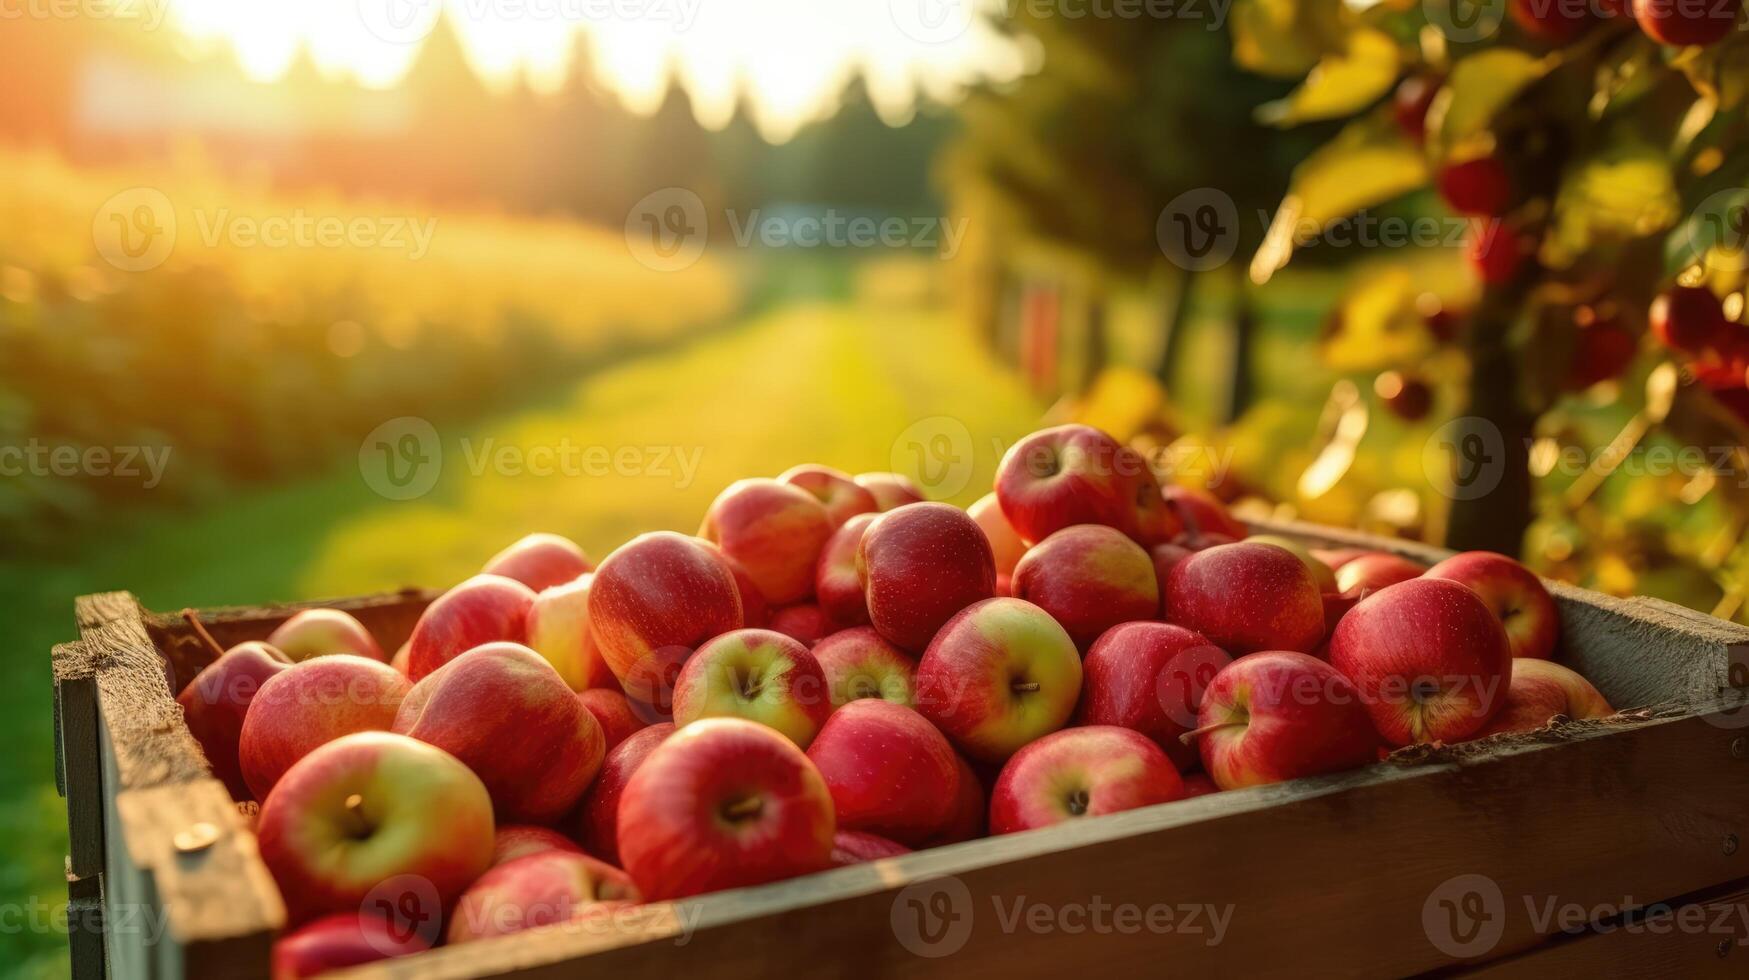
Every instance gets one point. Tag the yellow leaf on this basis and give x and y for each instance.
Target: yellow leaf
(1476, 90)
(1342, 83)
(1624, 193)
(1380, 326)
(1275, 38)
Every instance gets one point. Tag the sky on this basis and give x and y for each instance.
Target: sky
(793, 56)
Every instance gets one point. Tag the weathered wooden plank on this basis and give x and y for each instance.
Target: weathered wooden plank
(1315, 876)
(1703, 938)
(78, 766)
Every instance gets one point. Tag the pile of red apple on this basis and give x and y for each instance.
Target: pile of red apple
(833, 671)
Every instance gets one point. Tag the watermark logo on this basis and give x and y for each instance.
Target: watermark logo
(1465, 916)
(400, 21)
(135, 230)
(667, 230)
(402, 458)
(1465, 20)
(410, 908)
(939, 450)
(933, 21)
(1199, 229)
(1465, 458)
(933, 918)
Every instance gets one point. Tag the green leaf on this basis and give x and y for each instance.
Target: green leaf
(1341, 84)
(1368, 163)
(1476, 90)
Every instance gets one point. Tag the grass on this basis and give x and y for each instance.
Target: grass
(819, 381)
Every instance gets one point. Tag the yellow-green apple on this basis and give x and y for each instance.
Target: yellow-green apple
(970, 815)
(371, 809)
(597, 823)
(1075, 474)
(891, 490)
(613, 712)
(723, 803)
(1429, 657)
(316, 632)
(836, 584)
(1540, 690)
(536, 890)
(484, 609)
(558, 630)
(999, 674)
(804, 622)
(860, 663)
(309, 704)
(1375, 571)
(653, 600)
(1246, 597)
(1516, 595)
(760, 675)
(1089, 577)
(1278, 715)
(855, 847)
(510, 717)
(514, 841)
(919, 565)
(1005, 543)
(1325, 577)
(344, 939)
(1149, 678)
(1198, 784)
(541, 561)
(1199, 513)
(1081, 772)
(216, 701)
(836, 490)
(775, 531)
(889, 770)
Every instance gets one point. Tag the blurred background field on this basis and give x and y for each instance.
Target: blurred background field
(257, 236)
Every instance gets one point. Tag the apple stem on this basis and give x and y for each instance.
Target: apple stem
(206, 639)
(742, 808)
(1191, 736)
(1027, 687)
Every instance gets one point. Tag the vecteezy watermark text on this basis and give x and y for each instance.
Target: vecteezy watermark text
(40, 459)
(935, 917)
(668, 230)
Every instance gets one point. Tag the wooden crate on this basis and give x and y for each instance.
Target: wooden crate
(1609, 846)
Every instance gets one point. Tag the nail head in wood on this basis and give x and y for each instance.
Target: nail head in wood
(201, 836)
(1739, 747)
(1730, 843)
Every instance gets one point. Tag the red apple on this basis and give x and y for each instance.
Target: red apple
(1246, 597)
(970, 815)
(1277, 715)
(613, 712)
(1681, 23)
(1539, 691)
(1336, 606)
(1410, 102)
(1429, 657)
(776, 532)
(1198, 784)
(1514, 593)
(841, 495)
(653, 600)
(343, 939)
(760, 675)
(1479, 186)
(1200, 513)
(1081, 772)
(598, 817)
(484, 609)
(1149, 678)
(1375, 571)
(889, 770)
(536, 890)
(919, 565)
(723, 803)
(855, 847)
(836, 584)
(312, 703)
(1688, 319)
(999, 674)
(1076, 474)
(215, 703)
(365, 812)
(859, 663)
(315, 632)
(512, 719)
(1089, 578)
(541, 561)
(1554, 21)
(1321, 573)
(755, 611)
(558, 630)
(514, 841)
(1005, 543)
(1496, 250)
(1335, 558)
(804, 622)
(891, 490)
(402, 661)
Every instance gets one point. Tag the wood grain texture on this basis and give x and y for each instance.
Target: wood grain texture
(1700, 939)
(1322, 876)
(78, 770)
